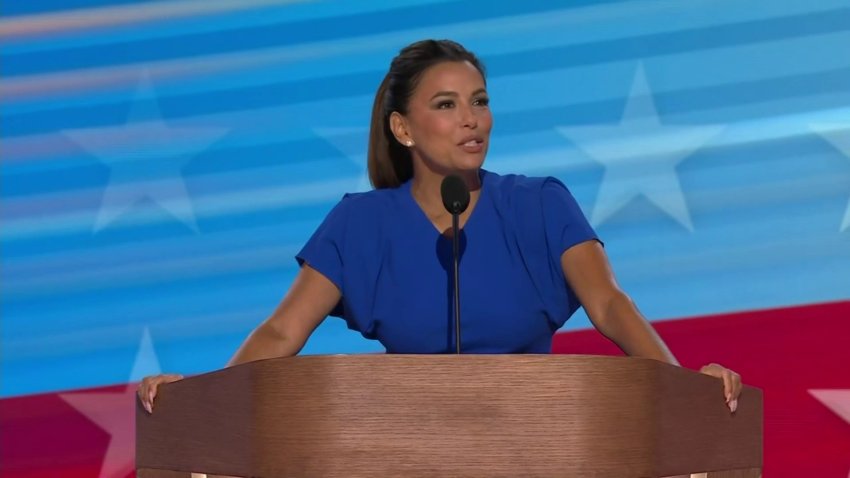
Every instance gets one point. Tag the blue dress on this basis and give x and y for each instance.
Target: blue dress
(394, 268)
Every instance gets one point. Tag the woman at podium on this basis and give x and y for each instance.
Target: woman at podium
(383, 260)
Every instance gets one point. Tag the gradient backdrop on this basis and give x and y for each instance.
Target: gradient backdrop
(162, 161)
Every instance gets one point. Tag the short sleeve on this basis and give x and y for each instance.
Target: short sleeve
(336, 250)
(324, 251)
(563, 220)
(548, 222)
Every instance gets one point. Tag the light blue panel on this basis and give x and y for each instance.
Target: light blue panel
(160, 175)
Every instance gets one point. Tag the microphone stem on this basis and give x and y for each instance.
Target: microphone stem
(456, 254)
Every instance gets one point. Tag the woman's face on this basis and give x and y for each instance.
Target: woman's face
(448, 118)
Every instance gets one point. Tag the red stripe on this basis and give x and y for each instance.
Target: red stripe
(41, 435)
(784, 351)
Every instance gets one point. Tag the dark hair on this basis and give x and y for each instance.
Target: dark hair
(389, 162)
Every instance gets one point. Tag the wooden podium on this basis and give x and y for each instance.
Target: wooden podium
(450, 415)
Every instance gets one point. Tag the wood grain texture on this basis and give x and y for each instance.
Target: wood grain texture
(448, 415)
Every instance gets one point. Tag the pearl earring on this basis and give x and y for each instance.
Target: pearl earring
(409, 143)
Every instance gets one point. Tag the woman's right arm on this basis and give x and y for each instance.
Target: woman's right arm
(309, 300)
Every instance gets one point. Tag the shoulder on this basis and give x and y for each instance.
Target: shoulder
(534, 202)
(368, 200)
(365, 207)
(516, 189)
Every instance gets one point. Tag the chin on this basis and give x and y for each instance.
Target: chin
(470, 163)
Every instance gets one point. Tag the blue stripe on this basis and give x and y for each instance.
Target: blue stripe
(498, 65)
(279, 34)
(584, 182)
(655, 45)
(766, 195)
(12, 9)
(687, 100)
(201, 19)
(89, 172)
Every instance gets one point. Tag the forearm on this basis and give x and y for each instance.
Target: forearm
(625, 326)
(263, 343)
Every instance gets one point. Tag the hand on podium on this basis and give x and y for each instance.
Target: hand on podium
(149, 385)
(731, 383)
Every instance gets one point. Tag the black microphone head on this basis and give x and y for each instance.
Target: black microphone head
(455, 194)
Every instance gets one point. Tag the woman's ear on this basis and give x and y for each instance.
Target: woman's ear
(398, 125)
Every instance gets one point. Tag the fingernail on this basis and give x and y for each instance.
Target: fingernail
(733, 405)
(148, 407)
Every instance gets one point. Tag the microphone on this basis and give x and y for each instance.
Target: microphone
(455, 197)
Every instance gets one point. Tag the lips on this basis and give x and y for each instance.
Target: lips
(471, 141)
(472, 144)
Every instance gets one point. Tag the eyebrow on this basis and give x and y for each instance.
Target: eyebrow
(453, 94)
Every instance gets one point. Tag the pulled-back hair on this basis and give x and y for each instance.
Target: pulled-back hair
(389, 161)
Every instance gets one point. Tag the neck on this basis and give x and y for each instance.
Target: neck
(426, 190)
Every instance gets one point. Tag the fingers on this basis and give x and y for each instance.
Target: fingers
(143, 393)
(732, 386)
(149, 385)
(737, 387)
(728, 389)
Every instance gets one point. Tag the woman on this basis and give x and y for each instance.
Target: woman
(381, 259)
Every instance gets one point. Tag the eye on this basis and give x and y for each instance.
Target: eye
(445, 104)
(483, 101)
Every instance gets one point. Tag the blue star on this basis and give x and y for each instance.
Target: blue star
(839, 136)
(640, 156)
(353, 144)
(146, 158)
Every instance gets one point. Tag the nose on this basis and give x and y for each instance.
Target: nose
(468, 117)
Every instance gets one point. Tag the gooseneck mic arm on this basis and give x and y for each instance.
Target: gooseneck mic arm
(455, 197)
(455, 263)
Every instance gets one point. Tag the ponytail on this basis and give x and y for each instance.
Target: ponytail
(388, 161)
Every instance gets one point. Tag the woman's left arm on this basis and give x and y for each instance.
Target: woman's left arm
(613, 313)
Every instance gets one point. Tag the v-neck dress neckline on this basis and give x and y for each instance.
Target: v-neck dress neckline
(421, 218)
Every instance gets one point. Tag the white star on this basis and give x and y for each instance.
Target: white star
(839, 136)
(145, 158)
(115, 413)
(353, 144)
(836, 400)
(640, 156)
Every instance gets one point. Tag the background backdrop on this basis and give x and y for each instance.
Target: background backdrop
(163, 161)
